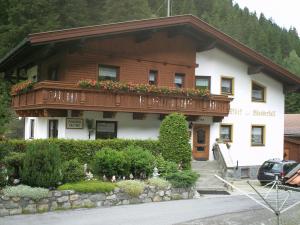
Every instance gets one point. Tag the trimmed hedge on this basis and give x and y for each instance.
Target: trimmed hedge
(42, 165)
(83, 150)
(183, 179)
(72, 171)
(110, 162)
(92, 186)
(174, 140)
(142, 162)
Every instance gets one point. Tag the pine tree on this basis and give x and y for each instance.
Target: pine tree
(116, 11)
(292, 100)
(5, 113)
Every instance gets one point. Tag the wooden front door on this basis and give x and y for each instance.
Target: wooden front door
(200, 142)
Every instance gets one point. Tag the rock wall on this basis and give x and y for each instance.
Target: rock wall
(63, 200)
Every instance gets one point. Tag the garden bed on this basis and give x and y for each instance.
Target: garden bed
(69, 199)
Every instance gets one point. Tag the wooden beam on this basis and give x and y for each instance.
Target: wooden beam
(143, 36)
(254, 69)
(218, 119)
(208, 46)
(192, 118)
(109, 115)
(173, 32)
(138, 116)
(162, 116)
(291, 88)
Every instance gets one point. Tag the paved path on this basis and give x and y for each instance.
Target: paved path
(162, 213)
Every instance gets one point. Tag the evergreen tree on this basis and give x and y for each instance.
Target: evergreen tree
(116, 11)
(5, 113)
(292, 100)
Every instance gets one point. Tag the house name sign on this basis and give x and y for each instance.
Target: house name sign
(74, 123)
(254, 112)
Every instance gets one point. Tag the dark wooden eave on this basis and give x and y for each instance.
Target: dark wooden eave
(193, 26)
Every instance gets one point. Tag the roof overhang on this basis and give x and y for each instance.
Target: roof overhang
(196, 26)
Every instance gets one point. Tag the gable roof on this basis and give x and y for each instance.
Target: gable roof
(292, 125)
(197, 28)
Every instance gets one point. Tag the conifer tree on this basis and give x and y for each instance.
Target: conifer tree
(116, 11)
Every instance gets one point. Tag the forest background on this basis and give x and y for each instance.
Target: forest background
(18, 18)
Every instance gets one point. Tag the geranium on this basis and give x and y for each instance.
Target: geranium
(114, 86)
(22, 87)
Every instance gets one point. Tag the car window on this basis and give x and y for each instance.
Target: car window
(289, 166)
(276, 167)
(267, 165)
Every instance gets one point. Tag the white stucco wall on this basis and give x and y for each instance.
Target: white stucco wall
(216, 63)
(127, 127)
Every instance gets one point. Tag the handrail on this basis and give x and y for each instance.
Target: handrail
(73, 86)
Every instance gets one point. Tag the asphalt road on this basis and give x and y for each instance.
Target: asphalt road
(162, 213)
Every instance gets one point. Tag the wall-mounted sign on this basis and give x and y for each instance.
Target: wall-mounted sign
(74, 123)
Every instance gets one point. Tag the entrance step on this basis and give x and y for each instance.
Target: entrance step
(207, 182)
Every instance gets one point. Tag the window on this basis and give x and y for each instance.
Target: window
(108, 73)
(32, 73)
(226, 86)
(31, 134)
(53, 73)
(109, 115)
(106, 129)
(53, 129)
(257, 135)
(245, 172)
(258, 92)
(153, 77)
(202, 82)
(179, 80)
(226, 133)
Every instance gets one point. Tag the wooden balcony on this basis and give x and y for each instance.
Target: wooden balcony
(48, 98)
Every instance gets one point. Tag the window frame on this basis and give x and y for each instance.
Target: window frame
(263, 138)
(115, 133)
(232, 85)
(49, 128)
(183, 79)
(112, 67)
(205, 77)
(31, 128)
(156, 77)
(230, 130)
(264, 92)
(53, 72)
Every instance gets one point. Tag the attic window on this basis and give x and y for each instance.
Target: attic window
(258, 92)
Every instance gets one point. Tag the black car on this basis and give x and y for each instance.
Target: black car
(269, 169)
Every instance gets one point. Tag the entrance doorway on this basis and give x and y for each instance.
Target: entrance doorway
(201, 142)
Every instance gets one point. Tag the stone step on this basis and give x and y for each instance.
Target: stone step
(207, 182)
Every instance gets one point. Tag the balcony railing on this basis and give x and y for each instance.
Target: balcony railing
(57, 95)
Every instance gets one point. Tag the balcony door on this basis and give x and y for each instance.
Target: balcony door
(200, 142)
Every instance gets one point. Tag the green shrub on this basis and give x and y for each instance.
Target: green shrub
(26, 192)
(165, 167)
(72, 171)
(3, 176)
(132, 187)
(83, 150)
(158, 182)
(13, 162)
(110, 163)
(141, 161)
(183, 179)
(89, 186)
(174, 140)
(42, 165)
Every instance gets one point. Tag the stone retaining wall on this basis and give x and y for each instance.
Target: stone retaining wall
(62, 200)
